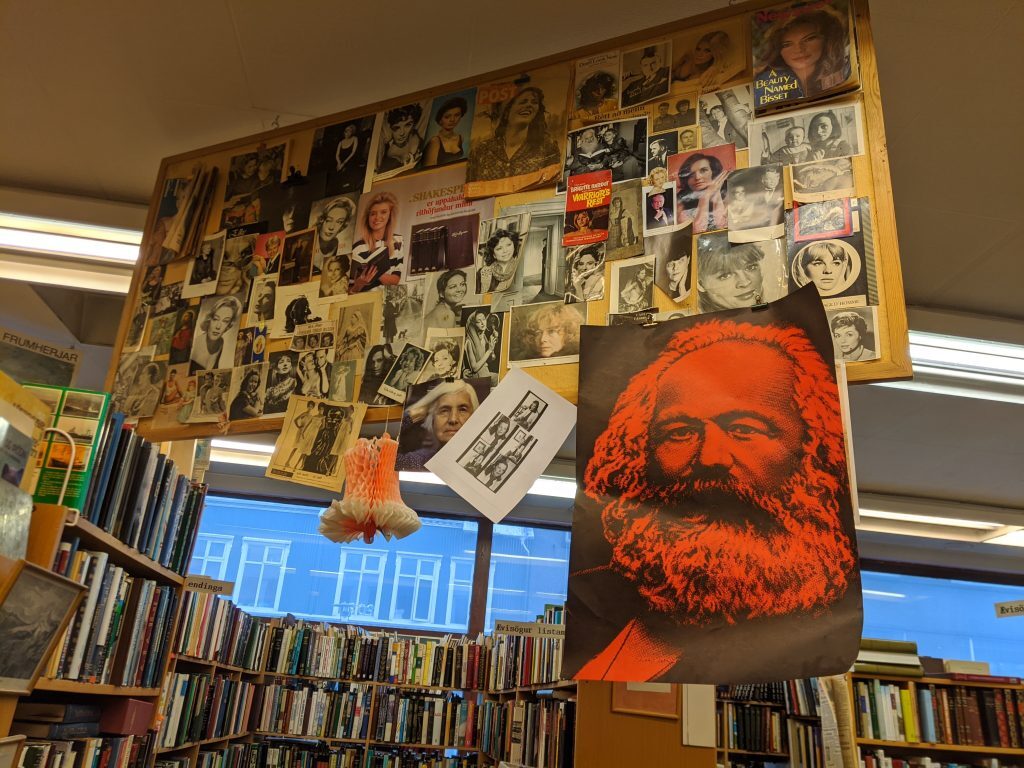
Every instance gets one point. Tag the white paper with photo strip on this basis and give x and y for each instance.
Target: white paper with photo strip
(538, 421)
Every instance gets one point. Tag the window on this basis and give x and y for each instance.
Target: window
(529, 569)
(415, 588)
(283, 565)
(360, 583)
(948, 618)
(211, 555)
(261, 572)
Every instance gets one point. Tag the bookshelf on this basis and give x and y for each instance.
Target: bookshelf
(969, 722)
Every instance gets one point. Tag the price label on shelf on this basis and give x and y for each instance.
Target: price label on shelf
(1009, 608)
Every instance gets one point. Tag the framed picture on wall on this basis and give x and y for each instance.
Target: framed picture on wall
(649, 699)
(34, 611)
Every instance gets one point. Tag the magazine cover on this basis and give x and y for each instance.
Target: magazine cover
(802, 51)
(714, 503)
(586, 208)
(518, 138)
(314, 438)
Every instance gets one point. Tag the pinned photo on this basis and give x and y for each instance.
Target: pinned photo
(659, 210)
(707, 57)
(434, 413)
(377, 255)
(854, 334)
(734, 276)
(282, 382)
(501, 244)
(343, 380)
(379, 359)
(725, 117)
(168, 299)
(297, 305)
(625, 222)
(632, 287)
(445, 346)
(540, 275)
(586, 208)
(236, 266)
(356, 319)
(297, 262)
(402, 312)
(672, 114)
(596, 87)
(252, 171)
(699, 179)
(482, 346)
(313, 441)
(673, 262)
(399, 139)
(161, 329)
(447, 293)
(820, 221)
(213, 388)
(404, 372)
(448, 131)
(248, 388)
(216, 335)
(267, 256)
(659, 147)
(823, 180)
(184, 332)
(262, 300)
(201, 272)
(645, 74)
(584, 274)
(545, 334)
(340, 154)
(619, 147)
(756, 204)
(807, 135)
(333, 220)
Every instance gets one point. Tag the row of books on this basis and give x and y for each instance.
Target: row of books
(349, 653)
(215, 629)
(272, 753)
(231, 756)
(415, 717)
(806, 748)
(536, 733)
(200, 706)
(385, 758)
(138, 495)
(753, 728)
(120, 633)
(516, 661)
(877, 758)
(326, 710)
(119, 751)
(958, 714)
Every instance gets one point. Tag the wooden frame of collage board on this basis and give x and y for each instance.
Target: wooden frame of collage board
(871, 170)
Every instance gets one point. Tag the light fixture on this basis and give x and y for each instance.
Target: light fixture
(1013, 538)
(952, 522)
(965, 367)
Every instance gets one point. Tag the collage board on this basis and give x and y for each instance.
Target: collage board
(416, 255)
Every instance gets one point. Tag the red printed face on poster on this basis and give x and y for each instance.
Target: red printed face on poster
(721, 486)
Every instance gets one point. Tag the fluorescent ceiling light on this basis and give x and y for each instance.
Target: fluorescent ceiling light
(237, 445)
(1011, 539)
(68, 245)
(953, 522)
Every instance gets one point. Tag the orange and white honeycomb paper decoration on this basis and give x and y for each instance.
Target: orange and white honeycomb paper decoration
(373, 502)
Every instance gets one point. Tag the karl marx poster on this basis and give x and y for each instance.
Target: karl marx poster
(713, 534)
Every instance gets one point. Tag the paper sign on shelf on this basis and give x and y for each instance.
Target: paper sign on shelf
(1009, 608)
(529, 629)
(213, 586)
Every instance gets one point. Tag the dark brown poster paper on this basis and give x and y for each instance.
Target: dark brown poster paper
(713, 534)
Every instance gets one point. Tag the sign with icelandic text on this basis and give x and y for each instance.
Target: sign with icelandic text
(206, 584)
(529, 629)
(1009, 608)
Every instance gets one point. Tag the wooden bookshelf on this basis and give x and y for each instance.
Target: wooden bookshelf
(935, 681)
(121, 554)
(921, 745)
(94, 689)
(782, 709)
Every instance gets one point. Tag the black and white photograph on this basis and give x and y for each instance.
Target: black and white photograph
(236, 268)
(248, 387)
(807, 135)
(625, 221)
(314, 372)
(529, 411)
(343, 381)
(168, 300)
(673, 262)
(619, 146)
(823, 180)
(297, 305)
(356, 319)
(333, 219)
(213, 389)
(733, 276)
(262, 300)
(674, 112)
(282, 381)
(853, 333)
(545, 334)
(314, 438)
(445, 346)
(447, 293)
(584, 273)
(659, 147)
(334, 277)
(482, 345)
(136, 328)
(595, 87)
(688, 139)
(645, 74)
(400, 142)
(297, 260)
(820, 221)
(152, 279)
(161, 330)
(640, 317)
(33, 613)
(143, 394)
(341, 151)
(252, 171)
(379, 359)
(659, 210)
(128, 369)
(449, 129)
(201, 272)
(756, 204)
(486, 445)
(632, 285)
(434, 413)
(84, 404)
(710, 56)
(312, 336)
(542, 261)
(402, 312)
(500, 249)
(285, 207)
(404, 371)
(725, 117)
(216, 333)
(244, 345)
(83, 430)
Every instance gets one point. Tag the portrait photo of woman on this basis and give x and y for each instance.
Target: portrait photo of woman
(217, 334)
(378, 362)
(354, 335)
(247, 403)
(377, 253)
(623, 230)
(729, 278)
(672, 262)
(826, 137)
(500, 260)
(449, 296)
(282, 381)
(812, 46)
(334, 280)
(404, 372)
(401, 140)
(480, 349)
(543, 332)
(710, 61)
(832, 265)
(596, 95)
(445, 138)
(332, 221)
(445, 359)
(700, 192)
(181, 341)
(585, 273)
(435, 415)
(852, 336)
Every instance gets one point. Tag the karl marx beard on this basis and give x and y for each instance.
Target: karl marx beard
(710, 514)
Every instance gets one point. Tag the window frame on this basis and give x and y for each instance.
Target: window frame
(211, 538)
(242, 562)
(434, 583)
(362, 572)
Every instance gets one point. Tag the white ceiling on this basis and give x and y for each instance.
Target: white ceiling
(95, 94)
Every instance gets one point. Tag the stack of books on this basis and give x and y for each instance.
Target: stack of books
(120, 633)
(199, 706)
(329, 710)
(215, 629)
(536, 733)
(425, 718)
(528, 659)
(888, 657)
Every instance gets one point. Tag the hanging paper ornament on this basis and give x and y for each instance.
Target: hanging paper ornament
(373, 502)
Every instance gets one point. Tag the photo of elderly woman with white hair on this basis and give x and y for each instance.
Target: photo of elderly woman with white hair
(437, 412)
